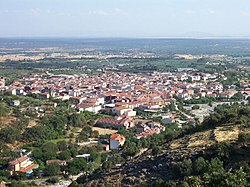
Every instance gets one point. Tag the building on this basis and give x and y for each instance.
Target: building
(22, 164)
(167, 120)
(44, 95)
(88, 107)
(118, 121)
(77, 100)
(123, 111)
(15, 103)
(2, 81)
(116, 141)
(150, 129)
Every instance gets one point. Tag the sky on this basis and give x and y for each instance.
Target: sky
(125, 18)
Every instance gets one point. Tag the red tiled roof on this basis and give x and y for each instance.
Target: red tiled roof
(117, 137)
(109, 121)
(30, 167)
(18, 160)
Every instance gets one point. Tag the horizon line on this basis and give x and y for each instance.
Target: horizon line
(124, 37)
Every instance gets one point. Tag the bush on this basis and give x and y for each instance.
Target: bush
(196, 107)
(156, 150)
(53, 180)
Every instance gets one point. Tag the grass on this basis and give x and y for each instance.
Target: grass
(60, 139)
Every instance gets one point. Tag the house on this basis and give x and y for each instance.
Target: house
(118, 121)
(20, 92)
(88, 107)
(123, 111)
(22, 164)
(3, 184)
(2, 81)
(228, 94)
(149, 129)
(167, 120)
(14, 103)
(44, 95)
(58, 162)
(246, 94)
(142, 127)
(77, 100)
(116, 141)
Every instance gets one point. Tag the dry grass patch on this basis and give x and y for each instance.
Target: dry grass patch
(200, 143)
(103, 131)
(7, 121)
(201, 139)
(226, 134)
(32, 123)
(175, 145)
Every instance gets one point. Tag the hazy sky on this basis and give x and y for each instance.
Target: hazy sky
(124, 18)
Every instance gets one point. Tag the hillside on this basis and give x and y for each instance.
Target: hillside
(226, 144)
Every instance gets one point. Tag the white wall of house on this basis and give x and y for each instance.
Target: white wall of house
(131, 113)
(94, 109)
(114, 144)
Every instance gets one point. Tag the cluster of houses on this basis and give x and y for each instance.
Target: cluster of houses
(122, 92)
(149, 129)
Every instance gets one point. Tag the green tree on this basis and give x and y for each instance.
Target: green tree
(194, 181)
(3, 109)
(195, 107)
(244, 137)
(156, 150)
(77, 165)
(107, 165)
(62, 145)
(64, 155)
(52, 170)
(216, 165)
(200, 165)
(184, 168)
(130, 149)
(9, 134)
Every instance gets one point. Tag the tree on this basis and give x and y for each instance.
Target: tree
(107, 165)
(86, 133)
(200, 165)
(52, 170)
(244, 137)
(130, 149)
(216, 165)
(38, 132)
(3, 110)
(62, 145)
(9, 134)
(159, 183)
(184, 184)
(77, 165)
(77, 120)
(116, 158)
(238, 96)
(227, 179)
(156, 150)
(184, 168)
(194, 181)
(53, 180)
(64, 155)
(50, 147)
(196, 107)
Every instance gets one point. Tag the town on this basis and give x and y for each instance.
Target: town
(144, 104)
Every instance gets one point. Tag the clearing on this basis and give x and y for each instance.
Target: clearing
(103, 131)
